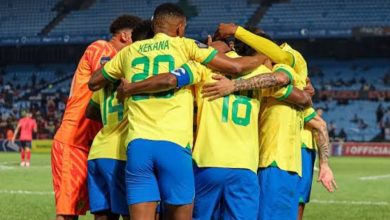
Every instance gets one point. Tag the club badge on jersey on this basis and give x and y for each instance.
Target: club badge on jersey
(201, 45)
(104, 60)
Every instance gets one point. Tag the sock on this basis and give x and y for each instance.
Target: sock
(22, 154)
(28, 153)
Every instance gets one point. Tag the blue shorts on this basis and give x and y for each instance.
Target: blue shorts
(304, 187)
(225, 193)
(278, 194)
(106, 186)
(159, 171)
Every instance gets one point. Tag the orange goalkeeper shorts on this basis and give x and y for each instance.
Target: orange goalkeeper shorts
(69, 170)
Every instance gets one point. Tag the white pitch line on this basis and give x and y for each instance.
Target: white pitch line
(374, 177)
(25, 192)
(349, 202)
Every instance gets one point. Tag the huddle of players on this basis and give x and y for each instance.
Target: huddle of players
(228, 178)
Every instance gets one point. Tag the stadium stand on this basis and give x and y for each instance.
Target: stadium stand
(25, 18)
(331, 14)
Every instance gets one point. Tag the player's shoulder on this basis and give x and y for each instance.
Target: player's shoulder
(283, 67)
(97, 45)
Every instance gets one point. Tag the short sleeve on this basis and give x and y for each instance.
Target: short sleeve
(280, 93)
(95, 99)
(309, 114)
(113, 69)
(200, 52)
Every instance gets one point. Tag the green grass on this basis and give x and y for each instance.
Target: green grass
(37, 178)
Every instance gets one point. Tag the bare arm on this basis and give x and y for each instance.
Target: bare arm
(93, 113)
(235, 66)
(325, 175)
(225, 86)
(97, 80)
(16, 133)
(299, 98)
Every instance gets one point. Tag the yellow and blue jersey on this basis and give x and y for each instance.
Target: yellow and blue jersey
(307, 132)
(166, 115)
(280, 127)
(110, 141)
(227, 132)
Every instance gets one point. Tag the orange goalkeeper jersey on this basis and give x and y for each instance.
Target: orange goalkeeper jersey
(76, 129)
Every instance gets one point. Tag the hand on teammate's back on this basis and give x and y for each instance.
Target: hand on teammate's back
(226, 30)
(222, 87)
(325, 176)
(121, 90)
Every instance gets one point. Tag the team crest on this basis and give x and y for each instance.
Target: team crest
(104, 60)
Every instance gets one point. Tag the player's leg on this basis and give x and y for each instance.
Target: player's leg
(71, 193)
(141, 183)
(209, 183)
(22, 154)
(99, 199)
(305, 183)
(175, 178)
(241, 195)
(278, 194)
(27, 148)
(113, 172)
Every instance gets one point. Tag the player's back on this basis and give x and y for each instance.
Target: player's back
(76, 129)
(166, 115)
(110, 141)
(227, 134)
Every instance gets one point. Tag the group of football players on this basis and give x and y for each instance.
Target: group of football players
(126, 145)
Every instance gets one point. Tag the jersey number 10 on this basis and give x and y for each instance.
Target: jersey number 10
(238, 100)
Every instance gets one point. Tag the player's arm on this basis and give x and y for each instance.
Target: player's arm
(97, 80)
(299, 98)
(260, 44)
(321, 136)
(93, 111)
(189, 74)
(16, 133)
(224, 86)
(35, 127)
(235, 66)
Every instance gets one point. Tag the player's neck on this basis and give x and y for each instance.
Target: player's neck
(116, 44)
(167, 31)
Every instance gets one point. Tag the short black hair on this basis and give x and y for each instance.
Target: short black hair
(244, 50)
(124, 21)
(165, 11)
(142, 31)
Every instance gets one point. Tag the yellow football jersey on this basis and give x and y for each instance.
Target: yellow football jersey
(166, 115)
(307, 132)
(227, 128)
(110, 141)
(280, 127)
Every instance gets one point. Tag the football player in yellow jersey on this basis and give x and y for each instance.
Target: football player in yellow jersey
(225, 150)
(280, 142)
(159, 166)
(314, 135)
(107, 156)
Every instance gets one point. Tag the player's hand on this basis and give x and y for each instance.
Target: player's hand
(221, 88)
(226, 30)
(325, 176)
(121, 90)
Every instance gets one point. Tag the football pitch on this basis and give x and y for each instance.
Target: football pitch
(364, 190)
